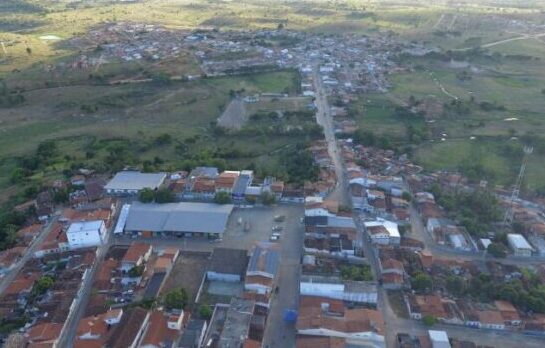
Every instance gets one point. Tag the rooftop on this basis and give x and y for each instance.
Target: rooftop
(84, 226)
(178, 217)
(229, 261)
(265, 258)
(129, 180)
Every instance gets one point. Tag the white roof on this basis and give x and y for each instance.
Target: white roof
(438, 336)
(128, 180)
(390, 226)
(83, 226)
(518, 241)
(122, 220)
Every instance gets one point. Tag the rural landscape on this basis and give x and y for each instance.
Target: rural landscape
(299, 173)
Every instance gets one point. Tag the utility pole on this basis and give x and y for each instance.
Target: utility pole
(509, 213)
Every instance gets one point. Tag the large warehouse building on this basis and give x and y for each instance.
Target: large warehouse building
(179, 219)
(130, 182)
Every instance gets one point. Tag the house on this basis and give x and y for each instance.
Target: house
(508, 312)
(423, 305)
(383, 232)
(159, 333)
(225, 182)
(393, 273)
(490, 319)
(136, 255)
(242, 184)
(193, 335)
(44, 335)
(519, 245)
(439, 339)
(230, 324)
(86, 234)
(132, 182)
(262, 270)
(10, 257)
(325, 317)
(334, 288)
(129, 331)
(95, 328)
(227, 265)
(180, 219)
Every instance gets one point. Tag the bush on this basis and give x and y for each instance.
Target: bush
(176, 299)
(205, 312)
(428, 320)
(222, 197)
(497, 250)
(147, 195)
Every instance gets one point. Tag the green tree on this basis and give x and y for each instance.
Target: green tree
(176, 299)
(43, 284)
(146, 195)
(497, 250)
(429, 320)
(456, 285)
(164, 196)
(205, 311)
(136, 271)
(406, 196)
(268, 198)
(222, 197)
(421, 282)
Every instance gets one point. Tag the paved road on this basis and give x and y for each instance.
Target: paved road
(324, 119)
(278, 333)
(8, 278)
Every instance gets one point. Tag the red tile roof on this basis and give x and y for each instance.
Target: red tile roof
(135, 252)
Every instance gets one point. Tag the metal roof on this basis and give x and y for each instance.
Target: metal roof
(265, 259)
(84, 226)
(518, 241)
(129, 180)
(178, 217)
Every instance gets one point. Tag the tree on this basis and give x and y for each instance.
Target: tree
(136, 271)
(164, 196)
(205, 312)
(268, 198)
(456, 285)
(147, 195)
(163, 139)
(43, 284)
(421, 282)
(406, 196)
(497, 250)
(428, 320)
(222, 197)
(176, 299)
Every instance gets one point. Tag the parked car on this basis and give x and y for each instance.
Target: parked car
(277, 228)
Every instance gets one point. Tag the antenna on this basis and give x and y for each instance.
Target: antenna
(509, 213)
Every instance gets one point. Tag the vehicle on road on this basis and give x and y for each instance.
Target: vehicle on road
(279, 218)
(277, 228)
(217, 240)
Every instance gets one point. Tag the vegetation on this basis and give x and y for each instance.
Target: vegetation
(421, 282)
(497, 250)
(357, 273)
(222, 197)
(176, 299)
(136, 271)
(42, 285)
(429, 320)
(205, 311)
(268, 198)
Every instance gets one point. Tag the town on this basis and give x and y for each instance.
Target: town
(373, 251)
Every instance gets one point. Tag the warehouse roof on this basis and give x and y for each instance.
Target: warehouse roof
(518, 241)
(130, 180)
(265, 259)
(178, 217)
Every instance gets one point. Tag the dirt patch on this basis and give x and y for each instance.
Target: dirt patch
(234, 115)
(187, 273)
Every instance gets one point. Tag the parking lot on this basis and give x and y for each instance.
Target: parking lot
(244, 228)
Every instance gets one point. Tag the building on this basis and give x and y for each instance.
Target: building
(383, 232)
(262, 270)
(242, 185)
(439, 339)
(227, 265)
(132, 182)
(230, 325)
(137, 255)
(519, 245)
(44, 335)
(226, 181)
(162, 331)
(129, 332)
(334, 288)
(180, 219)
(86, 234)
(193, 335)
(326, 317)
(489, 319)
